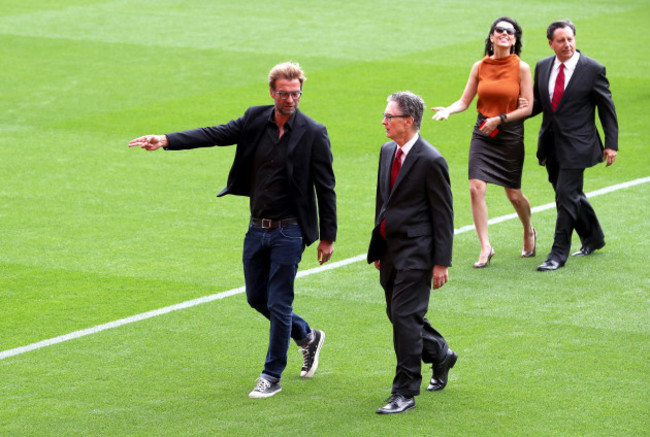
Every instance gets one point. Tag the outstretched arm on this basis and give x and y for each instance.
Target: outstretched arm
(463, 103)
(150, 142)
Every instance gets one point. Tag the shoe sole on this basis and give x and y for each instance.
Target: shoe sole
(314, 366)
(453, 360)
(431, 387)
(258, 395)
(543, 269)
(581, 254)
(380, 411)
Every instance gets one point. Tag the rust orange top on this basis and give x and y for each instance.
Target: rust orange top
(498, 85)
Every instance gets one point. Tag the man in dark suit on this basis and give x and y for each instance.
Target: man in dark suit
(282, 158)
(568, 88)
(411, 244)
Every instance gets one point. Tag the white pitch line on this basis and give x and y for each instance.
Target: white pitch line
(201, 300)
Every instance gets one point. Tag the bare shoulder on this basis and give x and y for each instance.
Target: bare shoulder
(524, 71)
(474, 71)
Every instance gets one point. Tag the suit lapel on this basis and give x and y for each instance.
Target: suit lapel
(409, 161)
(386, 165)
(258, 127)
(298, 130)
(576, 77)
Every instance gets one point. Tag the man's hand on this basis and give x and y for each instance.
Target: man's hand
(325, 250)
(609, 156)
(150, 142)
(440, 276)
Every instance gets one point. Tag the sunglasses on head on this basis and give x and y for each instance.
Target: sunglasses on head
(508, 30)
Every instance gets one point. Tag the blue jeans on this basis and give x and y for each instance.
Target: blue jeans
(271, 258)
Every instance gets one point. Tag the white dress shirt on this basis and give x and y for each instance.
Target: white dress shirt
(407, 147)
(569, 68)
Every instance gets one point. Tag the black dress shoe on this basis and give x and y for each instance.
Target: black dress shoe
(397, 404)
(441, 372)
(588, 250)
(549, 264)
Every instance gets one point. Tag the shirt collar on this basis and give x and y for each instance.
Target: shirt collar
(289, 122)
(409, 144)
(568, 65)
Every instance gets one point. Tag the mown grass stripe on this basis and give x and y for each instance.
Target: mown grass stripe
(194, 302)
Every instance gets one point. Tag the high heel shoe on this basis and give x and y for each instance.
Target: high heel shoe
(478, 265)
(532, 253)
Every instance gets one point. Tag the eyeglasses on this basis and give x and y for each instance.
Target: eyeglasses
(508, 30)
(389, 117)
(284, 95)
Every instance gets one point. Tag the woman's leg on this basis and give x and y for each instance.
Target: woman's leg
(522, 207)
(477, 189)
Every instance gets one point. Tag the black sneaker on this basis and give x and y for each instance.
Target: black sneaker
(310, 354)
(265, 389)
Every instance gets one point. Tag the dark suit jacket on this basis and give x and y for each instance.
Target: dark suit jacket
(309, 164)
(571, 129)
(419, 211)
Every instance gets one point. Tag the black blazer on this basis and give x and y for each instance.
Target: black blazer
(571, 130)
(419, 211)
(309, 164)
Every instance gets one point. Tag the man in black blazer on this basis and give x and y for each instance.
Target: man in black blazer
(282, 158)
(568, 88)
(411, 244)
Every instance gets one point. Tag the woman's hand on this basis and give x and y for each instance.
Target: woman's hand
(489, 125)
(442, 114)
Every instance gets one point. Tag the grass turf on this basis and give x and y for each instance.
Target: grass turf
(91, 232)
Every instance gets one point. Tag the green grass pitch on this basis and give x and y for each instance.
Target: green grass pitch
(92, 232)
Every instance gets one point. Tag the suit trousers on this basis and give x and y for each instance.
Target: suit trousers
(573, 210)
(414, 339)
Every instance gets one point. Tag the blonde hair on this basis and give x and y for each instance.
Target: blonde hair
(286, 70)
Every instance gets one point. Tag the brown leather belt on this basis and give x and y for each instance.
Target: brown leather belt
(272, 224)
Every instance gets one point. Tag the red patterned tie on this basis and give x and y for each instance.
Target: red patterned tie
(397, 165)
(394, 171)
(559, 88)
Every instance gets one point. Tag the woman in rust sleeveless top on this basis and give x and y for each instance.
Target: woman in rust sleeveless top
(497, 148)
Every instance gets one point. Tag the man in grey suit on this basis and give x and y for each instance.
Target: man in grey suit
(411, 244)
(568, 88)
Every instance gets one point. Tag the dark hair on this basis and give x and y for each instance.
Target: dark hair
(411, 104)
(559, 25)
(489, 50)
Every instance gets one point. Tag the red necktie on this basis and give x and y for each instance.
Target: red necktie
(394, 171)
(397, 165)
(559, 88)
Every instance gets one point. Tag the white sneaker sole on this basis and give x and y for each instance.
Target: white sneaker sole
(257, 395)
(315, 365)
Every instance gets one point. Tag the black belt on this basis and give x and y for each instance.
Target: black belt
(272, 224)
